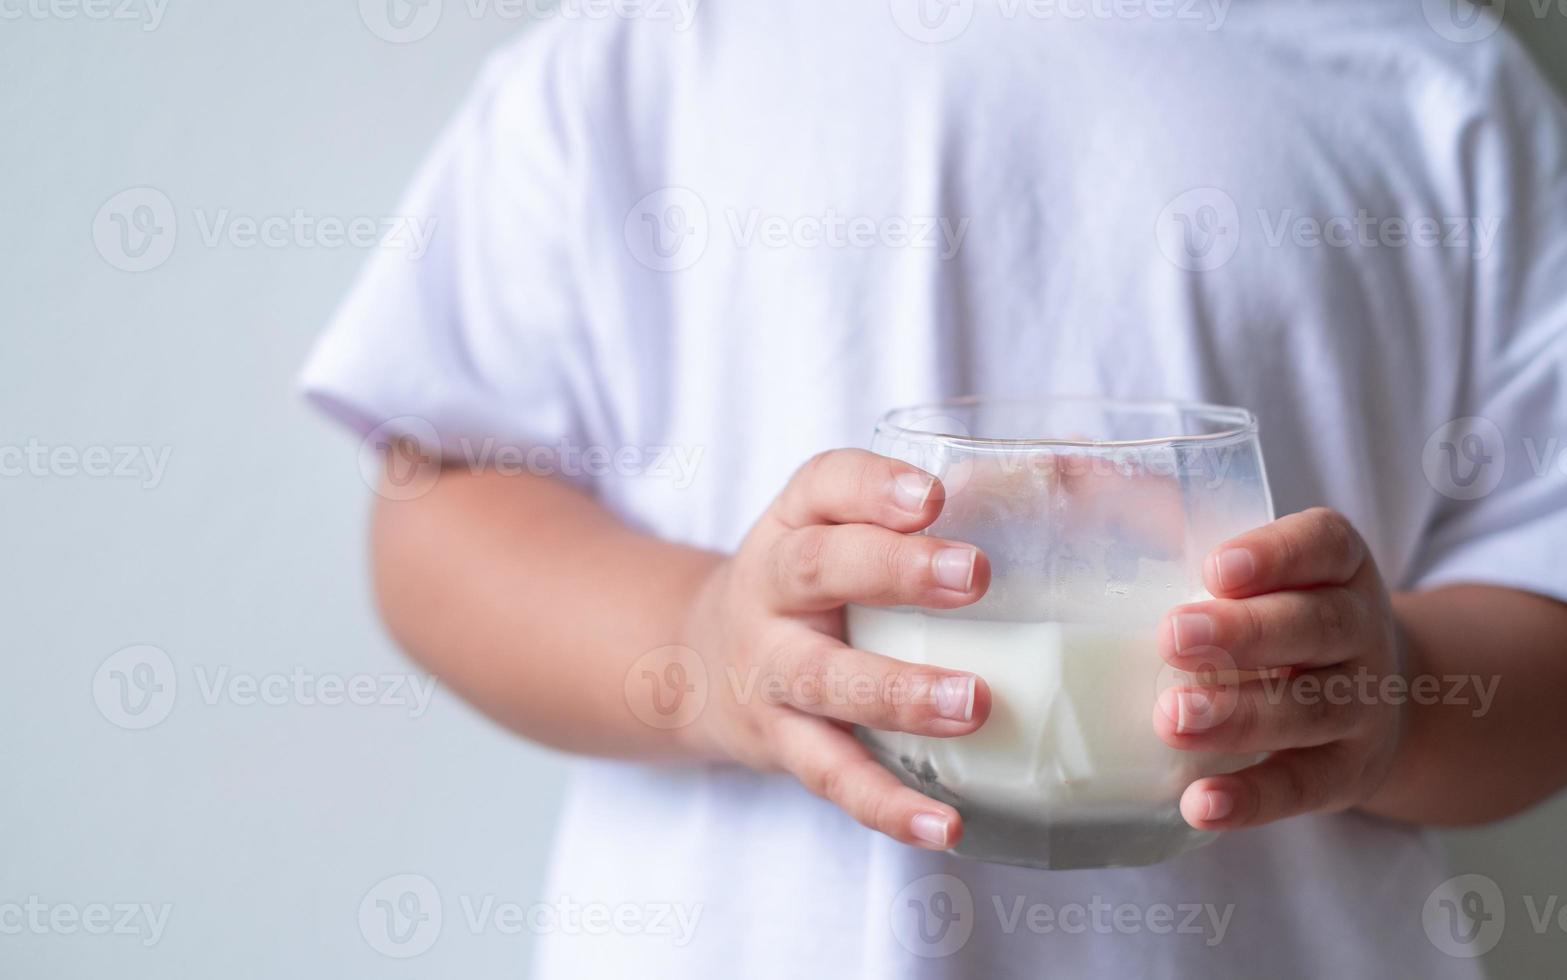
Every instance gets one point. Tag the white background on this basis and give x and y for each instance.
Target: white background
(263, 827)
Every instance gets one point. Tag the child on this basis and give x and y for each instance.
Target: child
(735, 243)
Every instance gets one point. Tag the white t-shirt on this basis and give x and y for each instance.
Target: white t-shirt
(745, 236)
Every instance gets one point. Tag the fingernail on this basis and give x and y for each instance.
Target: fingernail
(911, 490)
(1192, 630)
(1192, 711)
(1235, 568)
(955, 698)
(1217, 804)
(930, 828)
(954, 568)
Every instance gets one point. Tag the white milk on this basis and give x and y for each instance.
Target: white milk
(1070, 734)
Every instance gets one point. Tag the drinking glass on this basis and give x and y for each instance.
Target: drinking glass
(1096, 516)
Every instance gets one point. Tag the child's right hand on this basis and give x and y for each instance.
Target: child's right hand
(768, 622)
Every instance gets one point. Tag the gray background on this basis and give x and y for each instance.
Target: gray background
(264, 826)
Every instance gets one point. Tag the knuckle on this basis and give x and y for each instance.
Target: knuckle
(1336, 537)
(1335, 620)
(813, 470)
(877, 811)
(892, 561)
(1253, 625)
(1245, 716)
(805, 672)
(827, 782)
(1320, 714)
(1292, 789)
(1288, 549)
(804, 558)
(865, 477)
(909, 702)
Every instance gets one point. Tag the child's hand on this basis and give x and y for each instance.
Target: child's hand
(769, 624)
(1302, 594)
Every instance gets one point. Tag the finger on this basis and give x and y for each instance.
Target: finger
(1314, 547)
(852, 486)
(823, 677)
(824, 566)
(1299, 711)
(830, 763)
(1316, 628)
(1286, 784)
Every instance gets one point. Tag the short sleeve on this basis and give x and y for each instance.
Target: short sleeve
(464, 325)
(1501, 463)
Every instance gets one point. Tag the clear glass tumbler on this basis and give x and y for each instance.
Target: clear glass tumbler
(1096, 516)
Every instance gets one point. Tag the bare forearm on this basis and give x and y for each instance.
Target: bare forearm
(532, 601)
(1495, 741)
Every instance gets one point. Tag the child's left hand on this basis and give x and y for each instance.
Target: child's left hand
(1301, 593)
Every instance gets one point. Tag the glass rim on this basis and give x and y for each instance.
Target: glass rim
(1239, 423)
